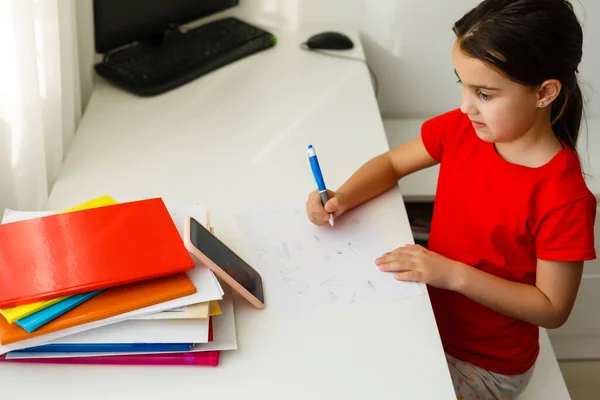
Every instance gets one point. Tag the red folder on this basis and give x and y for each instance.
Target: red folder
(80, 251)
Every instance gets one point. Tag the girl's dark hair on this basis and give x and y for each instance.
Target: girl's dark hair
(531, 41)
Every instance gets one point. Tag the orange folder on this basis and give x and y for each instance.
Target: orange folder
(111, 302)
(66, 254)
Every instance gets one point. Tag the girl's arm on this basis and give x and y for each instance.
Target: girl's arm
(373, 178)
(383, 172)
(547, 304)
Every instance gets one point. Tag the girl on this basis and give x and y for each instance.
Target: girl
(513, 219)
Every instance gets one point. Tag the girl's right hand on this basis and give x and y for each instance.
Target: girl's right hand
(318, 214)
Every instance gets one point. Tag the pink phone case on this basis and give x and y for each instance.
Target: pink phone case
(207, 262)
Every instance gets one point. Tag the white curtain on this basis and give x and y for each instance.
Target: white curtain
(40, 100)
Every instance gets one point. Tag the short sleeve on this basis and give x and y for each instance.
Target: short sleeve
(434, 132)
(567, 234)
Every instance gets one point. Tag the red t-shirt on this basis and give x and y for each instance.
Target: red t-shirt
(500, 217)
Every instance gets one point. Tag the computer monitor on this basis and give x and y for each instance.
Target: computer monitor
(119, 22)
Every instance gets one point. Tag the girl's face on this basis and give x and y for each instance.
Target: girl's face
(501, 110)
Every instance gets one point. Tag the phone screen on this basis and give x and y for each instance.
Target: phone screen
(226, 259)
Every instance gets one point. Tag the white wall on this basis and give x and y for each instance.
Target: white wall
(85, 47)
(408, 43)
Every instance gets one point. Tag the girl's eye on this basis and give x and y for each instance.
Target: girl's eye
(485, 96)
(459, 81)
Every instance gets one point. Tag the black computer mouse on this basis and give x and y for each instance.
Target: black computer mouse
(329, 41)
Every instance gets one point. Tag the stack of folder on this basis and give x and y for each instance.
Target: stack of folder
(109, 283)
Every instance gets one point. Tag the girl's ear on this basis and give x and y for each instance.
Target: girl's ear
(548, 91)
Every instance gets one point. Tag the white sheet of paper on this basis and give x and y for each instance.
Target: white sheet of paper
(144, 331)
(308, 268)
(224, 338)
(179, 212)
(176, 310)
(224, 333)
(207, 287)
(193, 311)
(15, 216)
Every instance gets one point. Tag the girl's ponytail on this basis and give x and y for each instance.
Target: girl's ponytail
(566, 114)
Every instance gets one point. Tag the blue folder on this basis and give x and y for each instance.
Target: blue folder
(42, 317)
(107, 347)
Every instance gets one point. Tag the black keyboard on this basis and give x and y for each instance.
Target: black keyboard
(149, 69)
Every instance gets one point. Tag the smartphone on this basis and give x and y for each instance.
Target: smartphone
(224, 262)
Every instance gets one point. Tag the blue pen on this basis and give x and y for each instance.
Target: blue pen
(316, 169)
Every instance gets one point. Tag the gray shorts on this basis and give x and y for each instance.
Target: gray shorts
(474, 383)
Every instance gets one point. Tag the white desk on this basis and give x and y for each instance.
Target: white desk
(239, 135)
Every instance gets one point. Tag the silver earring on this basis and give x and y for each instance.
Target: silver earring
(541, 104)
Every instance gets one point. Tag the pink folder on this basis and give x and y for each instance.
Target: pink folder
(207, 358)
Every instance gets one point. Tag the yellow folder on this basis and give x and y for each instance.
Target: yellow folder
(214, 308)
(15, 313)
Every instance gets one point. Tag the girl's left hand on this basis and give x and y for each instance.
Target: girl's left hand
(416, 263)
